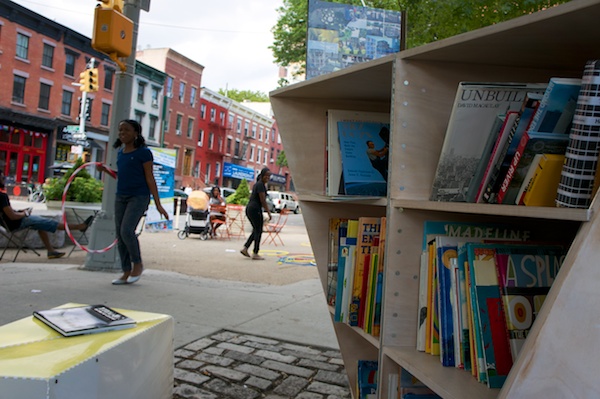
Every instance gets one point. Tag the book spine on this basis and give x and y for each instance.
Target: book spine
(513, 167)
(537, 116)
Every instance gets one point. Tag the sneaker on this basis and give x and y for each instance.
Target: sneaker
(257, 257)
(244, 252)
(55, 255)
(87, 223)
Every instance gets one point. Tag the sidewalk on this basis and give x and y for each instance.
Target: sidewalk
(233, 333)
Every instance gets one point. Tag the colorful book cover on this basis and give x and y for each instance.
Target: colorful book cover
(531, 143)
(370, 287)
(556, 110)
(474, 111)
(527, 179)
(489, 314)
(475, 230)
(525, 275)
(341, 266)
(366, 379)
(544, 183)
(332, 261)
(463, 299)
(347, 256)
(364, 149)
(435, 310)
(446, 250)
(379, 281)
(507, 151)
(368, 228)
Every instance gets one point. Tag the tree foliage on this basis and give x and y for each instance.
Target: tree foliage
(241, 195)
(281, 160)
(426, 21)
(245, 95)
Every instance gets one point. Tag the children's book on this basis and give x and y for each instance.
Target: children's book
(446, 248)
(365, 315)
(525, 275)
(379, 280)
(364, 147)
(347, 251)
(366, 379)
(543, 185)
(475, 109)
(527, 179)
(80, 320)
(335, 181)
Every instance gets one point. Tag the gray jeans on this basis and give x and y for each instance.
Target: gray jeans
(129, 209)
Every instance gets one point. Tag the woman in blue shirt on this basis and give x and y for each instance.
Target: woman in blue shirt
(135, 184)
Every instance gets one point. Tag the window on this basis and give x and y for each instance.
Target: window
(246, 128)
(190, 128)
(237, 148)
(222, 117)
(139, 116)
(201, 138)
(152, 128)
(155, 94)
(230, 121)
(48, 55)
(168, 121)
(258, 154)
(239, 125)
(169, 87)
(67, 100)
(266, 154)
(197, 169)
(181, 91)
(18, 94)
(228, 149)
(178, 124)
(22, 46)
(254, 130)
(104, 117)
(252, 152)
(109, 73)
(217, 169)
(212, 114)
(260, 133)
(70, 64)
(207, 175)
(203, 111)
(140, 91)
(44, 100)
(193, 96)
(211, 140)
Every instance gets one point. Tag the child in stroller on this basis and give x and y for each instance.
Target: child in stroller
(197, 220)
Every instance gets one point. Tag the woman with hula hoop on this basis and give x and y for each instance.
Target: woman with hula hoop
(135, 184)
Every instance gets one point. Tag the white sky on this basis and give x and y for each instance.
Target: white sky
(230, 38)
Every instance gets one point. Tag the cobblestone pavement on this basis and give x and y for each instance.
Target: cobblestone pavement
(242, 366)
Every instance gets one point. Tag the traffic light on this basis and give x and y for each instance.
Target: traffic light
(88, 80)
(114, 4)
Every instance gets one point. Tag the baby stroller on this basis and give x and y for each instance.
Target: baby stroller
(197, 220)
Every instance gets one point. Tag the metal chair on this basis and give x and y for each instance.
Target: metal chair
(273, 229)
(17, 238)
(236, 220)
(221, 225)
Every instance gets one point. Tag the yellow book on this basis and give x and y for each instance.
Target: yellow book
(544, 183)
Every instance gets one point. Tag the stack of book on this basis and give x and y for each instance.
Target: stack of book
(506, 144)
(481, 287)
(357, 245)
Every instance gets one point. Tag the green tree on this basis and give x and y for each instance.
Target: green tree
(245, 95)
(281, 160)
(241, 195)
(426, 21)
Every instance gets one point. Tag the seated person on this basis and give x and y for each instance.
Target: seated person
(16, 220)
(217, 208)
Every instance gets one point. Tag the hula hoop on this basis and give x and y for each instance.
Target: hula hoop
(64, 214)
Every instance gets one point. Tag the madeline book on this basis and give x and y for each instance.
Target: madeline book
(475, 110)
(364, 147)
(80, 320)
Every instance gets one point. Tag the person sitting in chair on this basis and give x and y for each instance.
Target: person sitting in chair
(21, 219)
(217, 209)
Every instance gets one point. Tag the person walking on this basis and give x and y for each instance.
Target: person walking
(254, 212)
(135, 183)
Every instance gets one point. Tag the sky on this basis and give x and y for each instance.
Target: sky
(230, 38)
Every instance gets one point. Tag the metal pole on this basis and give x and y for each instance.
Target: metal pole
(103, 228)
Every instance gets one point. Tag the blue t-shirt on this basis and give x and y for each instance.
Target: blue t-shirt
(131, 178)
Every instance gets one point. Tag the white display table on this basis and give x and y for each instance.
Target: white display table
(37, 362)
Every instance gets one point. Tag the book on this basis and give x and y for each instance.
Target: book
(379, 282)
(368, 228)
(342, 232)
(365, 315)
(525, 275)
(531, 143)
(506, 152)
(527, 179)
(446, 248)
(364, 147)
(89, 319)
(334, 176)
(422, 312)
(544, 182)
(347, 254)
(474, 111)
(557, 107)
(579, 176)
(366, 379)
(502, 138)
(332, 259)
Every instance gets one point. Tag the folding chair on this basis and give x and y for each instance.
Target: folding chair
(235, 220)
(273, 229)
(222, 225)
(17, 238)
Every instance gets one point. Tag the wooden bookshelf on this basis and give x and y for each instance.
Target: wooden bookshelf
(417, 87)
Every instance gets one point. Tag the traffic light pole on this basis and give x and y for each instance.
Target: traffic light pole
(103, 228)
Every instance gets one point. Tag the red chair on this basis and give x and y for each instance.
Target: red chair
(273, 229)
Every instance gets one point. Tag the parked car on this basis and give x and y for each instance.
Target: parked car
(177, 193)
(284, 201)
(270, 203)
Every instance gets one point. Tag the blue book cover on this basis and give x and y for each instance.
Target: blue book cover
(341, 266)
(364, 149)
(446, 249)
(557, 107)
(367, 378)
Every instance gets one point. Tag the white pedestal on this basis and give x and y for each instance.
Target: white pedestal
(36, 362)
